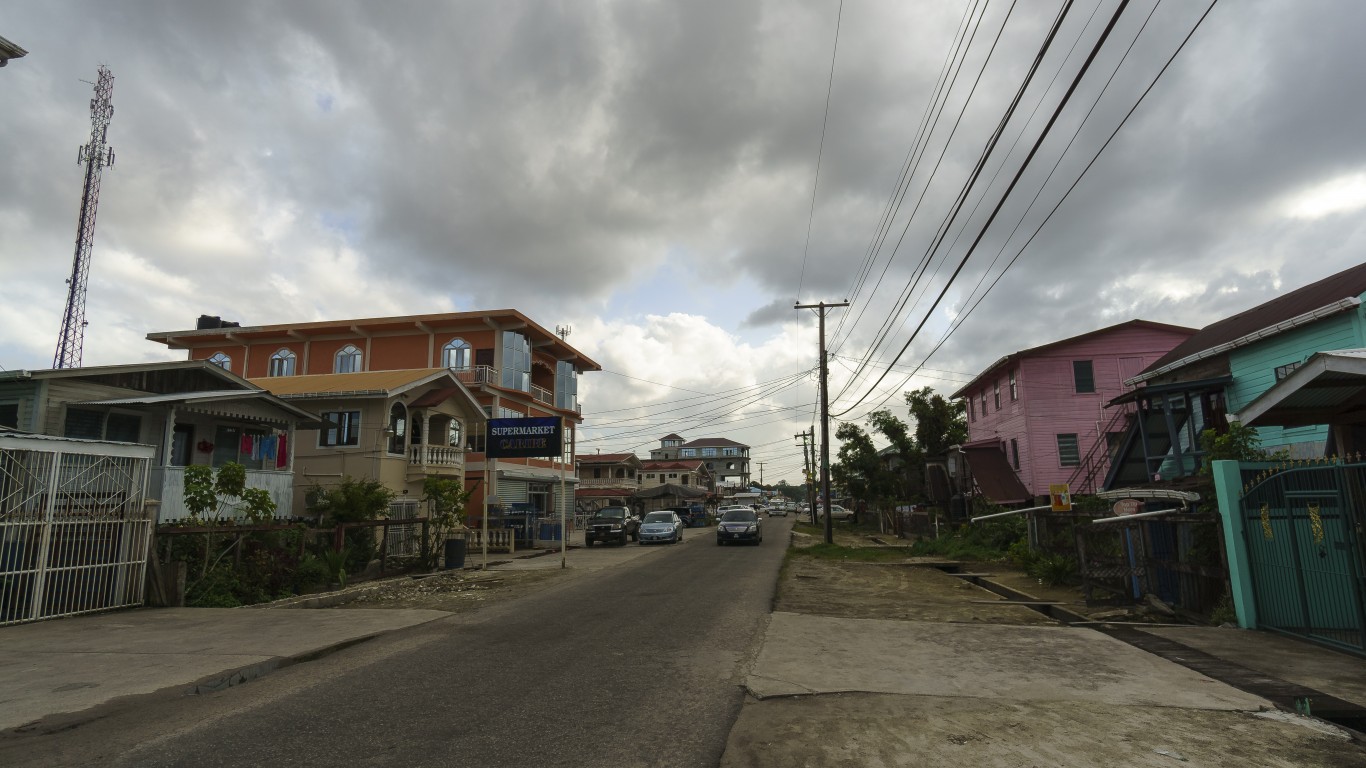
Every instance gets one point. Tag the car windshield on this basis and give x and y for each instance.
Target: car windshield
(739, 516)
(617, 513)
(659, 517)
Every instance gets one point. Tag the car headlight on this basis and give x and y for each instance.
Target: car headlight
(751, 528)
(616, 526)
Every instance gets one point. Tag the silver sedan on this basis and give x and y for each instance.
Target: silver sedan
(661, 526)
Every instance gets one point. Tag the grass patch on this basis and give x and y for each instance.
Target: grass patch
(980, 542)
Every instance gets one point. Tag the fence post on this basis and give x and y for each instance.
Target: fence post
(339, 538)
(426, 543)
(384, 548)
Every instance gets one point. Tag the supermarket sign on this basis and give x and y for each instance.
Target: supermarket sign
(524, 438)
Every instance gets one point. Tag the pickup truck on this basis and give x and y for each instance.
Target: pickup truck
(612, 524)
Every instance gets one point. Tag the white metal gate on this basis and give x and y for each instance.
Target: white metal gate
(74, 526)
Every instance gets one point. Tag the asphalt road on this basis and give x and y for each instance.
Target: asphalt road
(639, 664)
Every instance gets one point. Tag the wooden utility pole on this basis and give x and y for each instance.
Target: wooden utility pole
(806, 438)
(825, 416)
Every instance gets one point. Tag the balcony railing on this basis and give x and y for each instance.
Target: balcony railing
(608, 482)
(544, 395)
(479, 374)
(435, 455)
(484, 374)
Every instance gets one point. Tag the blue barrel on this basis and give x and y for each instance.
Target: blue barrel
(549, 532)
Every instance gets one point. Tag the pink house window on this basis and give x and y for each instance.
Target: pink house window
(996, 393)
(1014, 390)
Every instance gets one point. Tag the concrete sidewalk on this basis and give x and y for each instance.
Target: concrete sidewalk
(70, 665)
(834, 691)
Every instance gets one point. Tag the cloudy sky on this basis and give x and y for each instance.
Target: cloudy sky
(646, 173)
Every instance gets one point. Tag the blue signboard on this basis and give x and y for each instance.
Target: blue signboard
(524, 438)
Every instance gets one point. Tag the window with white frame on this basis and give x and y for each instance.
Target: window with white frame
(688, 453)
(730, 451)
(708, 453)
(282, 363)
(398, 423)
(348, 360)
(996, 393)
(221, 360)
(1014, 387)
(455, 434)
(456, 354)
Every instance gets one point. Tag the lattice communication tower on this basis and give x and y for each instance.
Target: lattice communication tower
(95, 156)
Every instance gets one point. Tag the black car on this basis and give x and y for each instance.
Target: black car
(612, 524)
(739, 525)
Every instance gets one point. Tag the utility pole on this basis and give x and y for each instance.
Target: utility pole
(806, 437)
(95, 155)
(825, 415)
(761, 472)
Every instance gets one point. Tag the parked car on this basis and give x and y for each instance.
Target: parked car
(684, 513)
(612, 524)
(739, 524)
(661, 526)
(778, 510)
(836, 512)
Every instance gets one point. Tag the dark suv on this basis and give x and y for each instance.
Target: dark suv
(612, 524)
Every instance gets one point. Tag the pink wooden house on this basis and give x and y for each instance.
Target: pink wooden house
(1040, 416)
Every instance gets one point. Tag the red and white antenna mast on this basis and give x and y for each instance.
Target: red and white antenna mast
(95, 156)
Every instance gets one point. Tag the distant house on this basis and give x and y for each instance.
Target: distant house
(1044, 415)
(726, 460)
(688, 472)
(607, 479)
(191, 413)
(1228, 365)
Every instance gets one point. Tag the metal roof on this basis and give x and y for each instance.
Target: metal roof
(1323, 296)
(491, 319)
(1329, 388)
(9, 51)
(227, 395)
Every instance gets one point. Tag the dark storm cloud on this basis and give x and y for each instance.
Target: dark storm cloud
(299, 159)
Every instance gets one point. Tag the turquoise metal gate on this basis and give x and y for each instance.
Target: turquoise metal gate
(1303, 529)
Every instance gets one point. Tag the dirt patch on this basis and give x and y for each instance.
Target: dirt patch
(885, 730)
(859, 590)
(453, 591)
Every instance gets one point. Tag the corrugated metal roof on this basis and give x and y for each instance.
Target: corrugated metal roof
(174, 397)
(713, 442)
(1329, 388)
(1349, 283)
(994, 476)
(365, 382)
(606, 458)
(306, 419)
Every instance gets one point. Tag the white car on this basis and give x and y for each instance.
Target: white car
(836, 512)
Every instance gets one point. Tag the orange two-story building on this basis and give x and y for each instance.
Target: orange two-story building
(508, 364)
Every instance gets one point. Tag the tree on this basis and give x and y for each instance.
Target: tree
(910, 475)
(446, 498)
(938, 422)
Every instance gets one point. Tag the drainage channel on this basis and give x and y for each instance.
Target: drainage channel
(1284, 694)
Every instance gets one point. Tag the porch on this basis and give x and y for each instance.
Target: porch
(168, 485)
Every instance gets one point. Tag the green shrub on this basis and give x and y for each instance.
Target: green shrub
(1053, 570)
